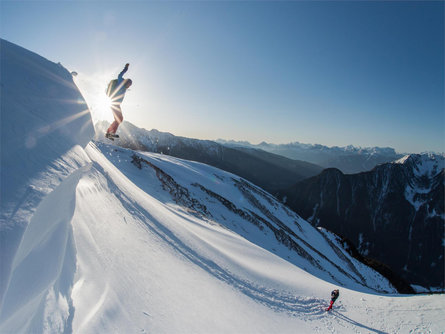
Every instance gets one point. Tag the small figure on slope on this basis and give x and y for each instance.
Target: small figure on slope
(116, 91)
(334, 295)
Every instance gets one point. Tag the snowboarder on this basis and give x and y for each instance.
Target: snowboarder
(334, 295)
(116, 91)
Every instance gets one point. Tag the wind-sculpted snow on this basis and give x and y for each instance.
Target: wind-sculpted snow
(42, 273)
(44, 125)
(43, 117)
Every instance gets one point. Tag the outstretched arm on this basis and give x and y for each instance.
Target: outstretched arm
(120, 77)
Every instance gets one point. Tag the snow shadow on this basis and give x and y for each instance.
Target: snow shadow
(38, 294)
(357, 324)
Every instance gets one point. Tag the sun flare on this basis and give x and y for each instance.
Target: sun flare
(93, 90)
(103, 103)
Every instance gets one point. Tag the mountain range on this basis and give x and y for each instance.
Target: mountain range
(393, 213)
(349, 159)
(269, 171)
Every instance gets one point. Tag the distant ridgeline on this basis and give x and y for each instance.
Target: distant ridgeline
(269, 171)
(348, 159)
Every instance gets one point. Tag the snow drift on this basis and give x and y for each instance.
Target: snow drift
(44, 126)
(100, 239)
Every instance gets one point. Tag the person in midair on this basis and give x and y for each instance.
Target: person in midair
(116, 92)
(334, 295)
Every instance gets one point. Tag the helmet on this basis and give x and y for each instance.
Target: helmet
(127, 83)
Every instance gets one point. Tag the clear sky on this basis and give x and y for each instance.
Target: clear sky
(334, 73)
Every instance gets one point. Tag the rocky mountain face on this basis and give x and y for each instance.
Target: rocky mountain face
(267, 170)
(349, 159)
(394, 213)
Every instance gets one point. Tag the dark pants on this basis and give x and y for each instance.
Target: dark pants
(118, 118)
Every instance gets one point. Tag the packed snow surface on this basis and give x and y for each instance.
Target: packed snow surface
(99, 239)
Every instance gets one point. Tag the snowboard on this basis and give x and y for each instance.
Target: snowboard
(111, 136)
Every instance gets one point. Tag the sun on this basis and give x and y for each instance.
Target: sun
(93, 89)
(100, 106)
(103, 103)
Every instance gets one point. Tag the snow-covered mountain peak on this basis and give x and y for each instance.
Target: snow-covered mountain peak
(402, 160)
(423, 165)
(424, 173)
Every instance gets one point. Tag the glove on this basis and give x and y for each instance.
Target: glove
(126, 65)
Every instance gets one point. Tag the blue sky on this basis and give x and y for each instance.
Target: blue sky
(333, 73)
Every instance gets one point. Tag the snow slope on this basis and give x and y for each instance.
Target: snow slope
(149, 260)
(100, 239)
(44, 126)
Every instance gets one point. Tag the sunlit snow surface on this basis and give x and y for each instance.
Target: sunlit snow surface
(91, 243)
(146, 263)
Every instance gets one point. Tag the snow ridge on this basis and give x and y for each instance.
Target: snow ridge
(45, 124)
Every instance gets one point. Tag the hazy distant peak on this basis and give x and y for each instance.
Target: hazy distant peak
(319, 147)
(349, 159)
